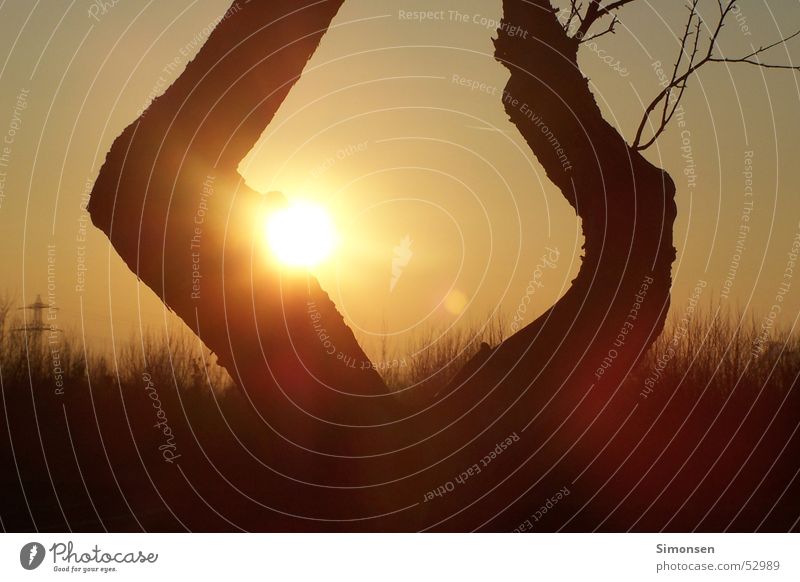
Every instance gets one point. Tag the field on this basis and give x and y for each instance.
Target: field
(88, 439)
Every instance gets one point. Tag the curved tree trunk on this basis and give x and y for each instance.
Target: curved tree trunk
(173, 205)
(345, 454)
(560, 375)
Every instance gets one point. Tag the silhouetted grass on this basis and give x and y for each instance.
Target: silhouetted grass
(78, 447)
(716, 350)
(434, 355)
(720, 351)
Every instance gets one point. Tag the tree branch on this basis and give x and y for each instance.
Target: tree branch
(749, 58)
(595, 12)
(676, 81)
(574, 12)
(608, 30)
(592, 14)
(679, 81)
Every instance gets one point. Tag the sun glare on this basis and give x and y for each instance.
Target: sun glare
(301, 235)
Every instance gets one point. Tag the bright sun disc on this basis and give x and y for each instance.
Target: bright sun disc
(301, 235)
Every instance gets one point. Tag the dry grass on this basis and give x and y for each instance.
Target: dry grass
(172, 357)
(718, 350)
(103, 425)
(435, 354)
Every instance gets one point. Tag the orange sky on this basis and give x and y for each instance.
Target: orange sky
(398, 128)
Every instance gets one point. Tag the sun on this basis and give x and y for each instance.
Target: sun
(301, 235)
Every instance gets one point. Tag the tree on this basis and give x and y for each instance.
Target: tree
(346, 454)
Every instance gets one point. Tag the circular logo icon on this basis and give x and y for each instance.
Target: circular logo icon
(31, 555)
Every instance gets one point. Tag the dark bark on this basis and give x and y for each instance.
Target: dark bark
(263, 324)
(546, 374)
(172, 203)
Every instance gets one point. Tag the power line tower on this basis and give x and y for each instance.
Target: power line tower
(36, 328)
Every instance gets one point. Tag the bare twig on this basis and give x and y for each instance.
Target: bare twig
(749, 58)
(670, 96)
(608, 30)
(574, 12)
(595, 12)
(671, 105)
(689, 61)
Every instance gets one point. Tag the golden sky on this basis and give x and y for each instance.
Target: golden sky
(398, 128)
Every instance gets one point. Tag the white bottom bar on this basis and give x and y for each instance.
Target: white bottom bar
(401, 558)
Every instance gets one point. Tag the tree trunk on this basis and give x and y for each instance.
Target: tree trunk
(560, 375)
(174, 207)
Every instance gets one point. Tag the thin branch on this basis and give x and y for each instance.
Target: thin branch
(679, 81)
(574, 12)
(595, 12)
(666, 118)
(749, 58)
(614, 6)
(666, 114)
(610, 29)
(756, 63)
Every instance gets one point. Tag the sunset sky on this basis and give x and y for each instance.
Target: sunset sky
(398, 129)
